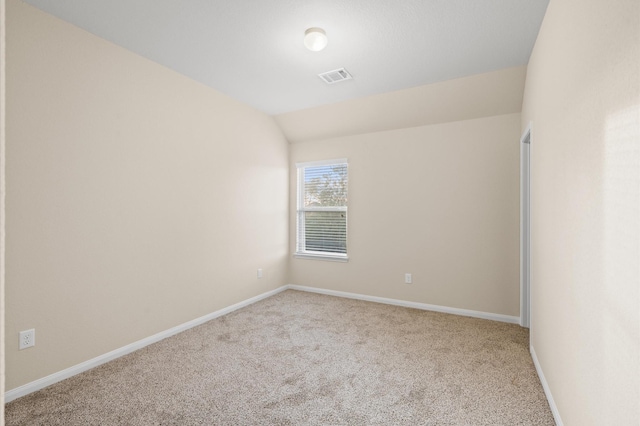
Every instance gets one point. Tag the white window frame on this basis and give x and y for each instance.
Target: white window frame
(301, 209)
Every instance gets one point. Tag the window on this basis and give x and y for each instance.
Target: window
(322, 210)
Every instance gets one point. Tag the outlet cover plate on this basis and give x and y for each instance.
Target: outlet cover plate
(27, 338)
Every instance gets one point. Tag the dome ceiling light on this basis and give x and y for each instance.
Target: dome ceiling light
(315, 39)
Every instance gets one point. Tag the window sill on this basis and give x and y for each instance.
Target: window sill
(327, 257)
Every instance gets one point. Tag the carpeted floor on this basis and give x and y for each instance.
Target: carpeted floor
(308, 359)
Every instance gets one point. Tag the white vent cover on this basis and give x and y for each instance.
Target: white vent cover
(335, 76)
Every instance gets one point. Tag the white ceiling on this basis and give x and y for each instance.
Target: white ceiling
(253, 50)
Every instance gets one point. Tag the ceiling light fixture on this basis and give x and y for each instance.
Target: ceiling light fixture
(315, 39)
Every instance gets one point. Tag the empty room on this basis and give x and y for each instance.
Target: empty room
(416, 212)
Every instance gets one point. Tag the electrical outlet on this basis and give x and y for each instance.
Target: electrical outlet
(27, 338)
(407, 279)
(259, 273)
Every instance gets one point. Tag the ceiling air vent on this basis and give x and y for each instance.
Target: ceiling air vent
(335, 76)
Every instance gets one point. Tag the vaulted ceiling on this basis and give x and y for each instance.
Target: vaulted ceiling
(253, 50)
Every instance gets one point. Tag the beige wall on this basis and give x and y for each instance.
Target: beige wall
(583, 96)
(137, 199)
(439, 201)
(482, 95)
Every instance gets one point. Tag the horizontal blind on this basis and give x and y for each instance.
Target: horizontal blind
(322, 209)
(326, 232)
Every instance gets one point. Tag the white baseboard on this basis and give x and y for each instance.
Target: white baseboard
(117, 353)
(415, 305)
(87, 365)
(545, 386)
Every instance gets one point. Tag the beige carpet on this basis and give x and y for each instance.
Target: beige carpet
(307, 359)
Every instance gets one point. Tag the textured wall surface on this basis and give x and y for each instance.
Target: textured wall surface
(483, 95)
(440, 202)
(137, 199)
(583, 97)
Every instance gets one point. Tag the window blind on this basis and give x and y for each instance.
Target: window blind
(322, 208)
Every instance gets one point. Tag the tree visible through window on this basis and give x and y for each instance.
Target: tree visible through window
(322, 209)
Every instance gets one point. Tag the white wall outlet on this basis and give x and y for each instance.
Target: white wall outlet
(408, 279)
(259, 273)
(27, 338)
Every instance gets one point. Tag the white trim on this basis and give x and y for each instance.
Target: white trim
(3, 135)
(328, 257)
(325, 209)
(525, 252)
(301, 211)
(322, 163)
(406, 304)
(545, 387)
(117, 353)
